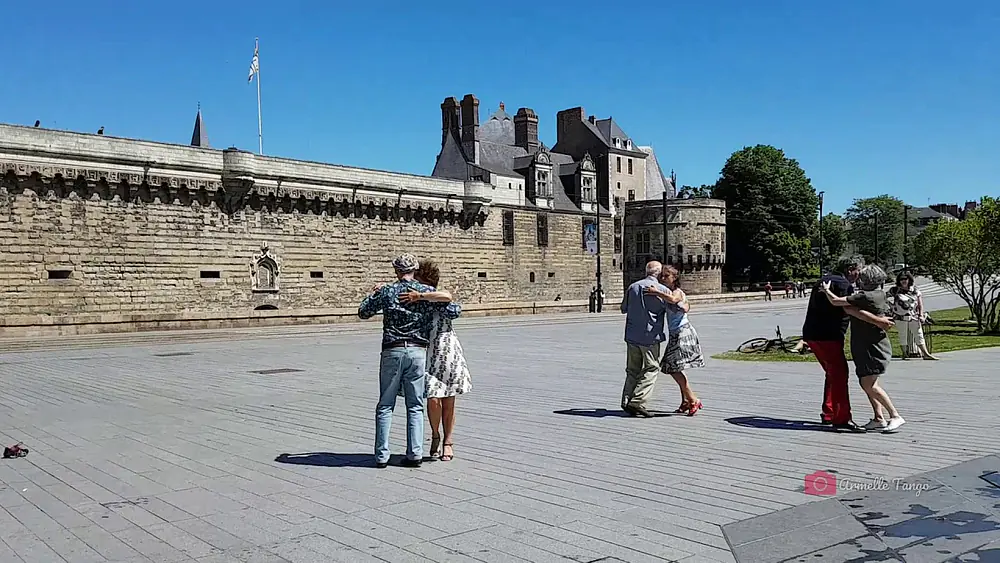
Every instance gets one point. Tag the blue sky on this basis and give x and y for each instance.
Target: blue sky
(871, 97)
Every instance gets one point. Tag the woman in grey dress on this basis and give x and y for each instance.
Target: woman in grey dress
(870, 345)
(447, 371)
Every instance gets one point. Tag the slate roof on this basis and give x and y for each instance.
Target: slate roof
(609, 130)
(656, 180)
(199, 137)
(499, 128)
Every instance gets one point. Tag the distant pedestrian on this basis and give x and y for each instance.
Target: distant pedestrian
(768, 288)
(645, 320)
(683, 348)
(870, 345)
(788, 290)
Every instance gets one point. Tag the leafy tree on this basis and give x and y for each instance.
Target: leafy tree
(965, 257)
(861, 218)
(688, 192)
(771, 208)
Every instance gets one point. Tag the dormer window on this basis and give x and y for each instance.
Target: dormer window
(628, 144)
(542, 183)
(588, 188)
(618, 143)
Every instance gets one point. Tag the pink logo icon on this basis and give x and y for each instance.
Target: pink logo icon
(821, 483)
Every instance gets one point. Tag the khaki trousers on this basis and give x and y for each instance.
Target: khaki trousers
(642, 365)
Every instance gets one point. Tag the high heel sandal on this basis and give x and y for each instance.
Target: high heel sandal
(448, 457)
(435, 444)
(685, 406)
(695, 407)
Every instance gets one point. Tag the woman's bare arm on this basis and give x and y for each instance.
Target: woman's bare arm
(672, 297)
(432, 296)
(834, 300)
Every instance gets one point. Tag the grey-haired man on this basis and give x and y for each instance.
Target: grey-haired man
(405, 331)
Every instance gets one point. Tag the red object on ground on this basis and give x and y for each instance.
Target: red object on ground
(17, 450)
(836, 397)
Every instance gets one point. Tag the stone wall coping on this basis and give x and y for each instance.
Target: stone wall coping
(11, 321)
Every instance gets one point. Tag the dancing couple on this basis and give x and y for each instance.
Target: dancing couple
(421, 359)
(833, 306)
(655, 310)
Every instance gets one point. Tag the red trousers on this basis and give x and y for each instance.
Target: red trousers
(836, 397)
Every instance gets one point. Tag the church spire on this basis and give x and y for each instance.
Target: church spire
(199, 138)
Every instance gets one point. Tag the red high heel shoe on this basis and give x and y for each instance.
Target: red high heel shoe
(685, 406)
(697, 406)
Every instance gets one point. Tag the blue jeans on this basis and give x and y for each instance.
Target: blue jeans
(401, 367)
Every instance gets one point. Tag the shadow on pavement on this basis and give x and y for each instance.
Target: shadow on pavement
(327, 459)
(604, 413)
(768, 423)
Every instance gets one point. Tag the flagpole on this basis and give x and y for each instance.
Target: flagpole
(260, 126)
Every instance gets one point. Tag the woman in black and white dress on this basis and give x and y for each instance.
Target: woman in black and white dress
(683, 348)
(908, 314)
(447, 372)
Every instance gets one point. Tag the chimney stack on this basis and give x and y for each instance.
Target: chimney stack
(526, 130)
(565, 120)
(450, 119)
(470, 127)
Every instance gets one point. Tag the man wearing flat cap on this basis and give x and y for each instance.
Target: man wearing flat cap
(405, 336)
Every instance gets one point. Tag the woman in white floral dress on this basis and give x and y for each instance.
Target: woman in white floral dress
(447, 372)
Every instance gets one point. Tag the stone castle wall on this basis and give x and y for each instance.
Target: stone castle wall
(696, 241)
(92, 228)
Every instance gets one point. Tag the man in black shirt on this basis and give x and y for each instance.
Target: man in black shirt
(824, 331)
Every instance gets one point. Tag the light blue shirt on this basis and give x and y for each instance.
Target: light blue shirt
(645, 315)
(676, 317)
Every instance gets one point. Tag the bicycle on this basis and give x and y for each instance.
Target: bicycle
(788, 344)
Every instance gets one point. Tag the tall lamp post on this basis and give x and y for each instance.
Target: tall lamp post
(597, 214)
(673, 182)
(906, 237)
(822, 249)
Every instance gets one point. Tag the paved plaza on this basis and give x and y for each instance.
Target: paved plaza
(163, 447)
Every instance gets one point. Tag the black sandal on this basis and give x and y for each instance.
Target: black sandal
(448, 457)
(435, 443)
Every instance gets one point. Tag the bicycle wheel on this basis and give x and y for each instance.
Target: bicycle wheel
(753, 346)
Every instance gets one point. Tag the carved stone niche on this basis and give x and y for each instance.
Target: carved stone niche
(265, 269)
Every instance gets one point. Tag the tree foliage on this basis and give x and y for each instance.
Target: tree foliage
(771, 207)
(887, 229)
(688, 192)
(965, 257)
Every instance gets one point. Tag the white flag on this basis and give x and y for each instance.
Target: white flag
(254, 65)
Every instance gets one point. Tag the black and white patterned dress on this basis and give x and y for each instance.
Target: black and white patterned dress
(683, 348)
(447, 373)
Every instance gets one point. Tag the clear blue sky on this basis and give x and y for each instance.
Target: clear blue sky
(870, 96)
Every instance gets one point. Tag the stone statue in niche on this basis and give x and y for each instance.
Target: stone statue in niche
(264, 271)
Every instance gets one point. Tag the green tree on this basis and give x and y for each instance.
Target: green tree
(965, 257)
(687, 192)
(771, 207)
(877, 218)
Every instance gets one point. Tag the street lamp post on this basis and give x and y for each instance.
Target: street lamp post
(876, 238)
(906, 236)
(822, 250)
(600, 290)
(673, 180)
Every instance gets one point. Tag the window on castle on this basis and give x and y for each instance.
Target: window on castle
(508, 228)
(642, 242)
(708, 249)
(542, 230)
(481, 275)
(628, 144)
(266, 277)
(680, 251)
(316, 275)
(531, 277)
(542, 184)
(630, 166)
(588, 189)
(60, 274)
(670, 259)
(210, 274)
(618, 225)
(631, 195)
(618, 243)
(618, 163)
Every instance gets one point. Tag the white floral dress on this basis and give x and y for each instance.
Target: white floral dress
(447, 372)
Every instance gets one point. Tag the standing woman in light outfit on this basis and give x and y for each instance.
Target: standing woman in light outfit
(447, 372)
(908, 314)
(683, 348)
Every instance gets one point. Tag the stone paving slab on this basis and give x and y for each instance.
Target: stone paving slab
(172, 452)
(951, 514)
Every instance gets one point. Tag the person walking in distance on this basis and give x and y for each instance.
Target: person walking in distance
(824, 331)
(645, 318)
(870, 345)
(406, 331)
(768, 288)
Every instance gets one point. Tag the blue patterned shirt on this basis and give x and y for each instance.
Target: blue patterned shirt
(409, 322)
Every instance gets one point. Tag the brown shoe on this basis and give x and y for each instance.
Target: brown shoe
(641, 411)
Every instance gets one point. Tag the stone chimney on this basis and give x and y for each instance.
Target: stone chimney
(565, 120)
(526, 130)
(470, 127)
(451, 119)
